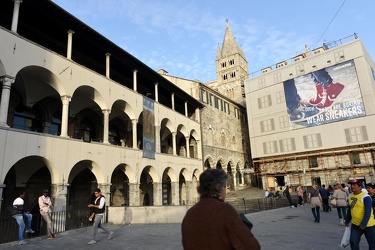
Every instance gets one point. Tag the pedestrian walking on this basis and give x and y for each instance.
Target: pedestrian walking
(300, 194)
(315, 199)
(341, 202)
(45, 205)
(286, 193)
(99, 208)
(361, 215)
(325, 197)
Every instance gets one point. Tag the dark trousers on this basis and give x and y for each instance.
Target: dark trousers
(325, 205)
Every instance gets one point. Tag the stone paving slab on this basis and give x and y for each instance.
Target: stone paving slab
(284, 228)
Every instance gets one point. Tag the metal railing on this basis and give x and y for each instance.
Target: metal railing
(61, 221)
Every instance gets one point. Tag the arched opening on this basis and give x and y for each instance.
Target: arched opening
(166, 189)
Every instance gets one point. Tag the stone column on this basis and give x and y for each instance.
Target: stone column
(175, 193)
(199, 150)
(187, 138)
(134, 128)
(189, 193)
(174, 134)
(58, 196)
(156, 92)
(197, 115)
(157, 139)
(5, 96)
(107, 64)
(134, 195)
(105, 189)
(2, 186)
(46, 126)
(234, 180)
(242, 179)
(16, 11)
(135, 80)
(172, 100)
(186, 109)
(158, 199)
(64, 116)
(106, 125)
(70, 44)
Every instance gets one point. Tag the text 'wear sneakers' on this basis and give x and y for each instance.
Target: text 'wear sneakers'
(302, 111)
(91, 242)
(329, 95)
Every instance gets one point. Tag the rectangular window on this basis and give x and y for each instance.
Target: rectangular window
(313, 160)
(280, 97)
(284, 121)
(216, 101)
(287, 145)
(356, 134)
(356, 159)
(262, 83)
(264, 101)
(204, 96)
(312, 141)
(277, 77)
(270, 147)
(267, 125)
(225, 106)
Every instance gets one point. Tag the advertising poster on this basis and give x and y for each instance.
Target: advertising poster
(148, 128)
(324, 96)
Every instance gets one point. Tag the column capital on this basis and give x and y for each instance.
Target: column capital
(70, 32)
(107, 54)
(7, 79)
(18, 1)
(66, 98)
(106, 111)
(134, 121)
(135, 70)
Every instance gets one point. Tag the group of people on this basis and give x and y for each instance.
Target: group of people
(299, 191)
(355, 206)
(19, 212)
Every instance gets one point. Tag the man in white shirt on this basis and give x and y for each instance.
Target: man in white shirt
(99, 208)
(45, 205)
(18, 213)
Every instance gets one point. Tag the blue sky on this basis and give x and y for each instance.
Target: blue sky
(182, 36)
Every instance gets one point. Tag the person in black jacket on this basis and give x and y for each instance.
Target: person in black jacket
(286, 193)
(99, 207)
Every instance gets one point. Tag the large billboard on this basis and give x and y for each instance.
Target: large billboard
(324, 96)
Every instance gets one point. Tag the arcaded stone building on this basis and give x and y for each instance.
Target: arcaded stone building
(311, 117)
(225, 137)
(78, 112)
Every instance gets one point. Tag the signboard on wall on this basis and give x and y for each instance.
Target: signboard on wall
(148, 128)
(324, 96)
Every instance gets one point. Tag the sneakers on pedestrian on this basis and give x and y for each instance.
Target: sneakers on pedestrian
(50, 237)
(318, 95)
(30, 231)
(292, 206)
(91, 242)
(302, 111)
(110, 235)
(55, 236)
(330, 94)
(22, 242)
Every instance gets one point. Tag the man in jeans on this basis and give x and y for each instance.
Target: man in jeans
(99, 207)
(19, 212)
(362, 217)
(45, 205)
(325, 197)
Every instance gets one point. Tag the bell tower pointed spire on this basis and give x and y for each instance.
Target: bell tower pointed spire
(231, 68)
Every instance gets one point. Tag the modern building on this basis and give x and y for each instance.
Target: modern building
(310, 117)
(224, 129)
(78, 112)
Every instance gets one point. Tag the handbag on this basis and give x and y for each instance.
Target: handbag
(345, 242)
(333, 202)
